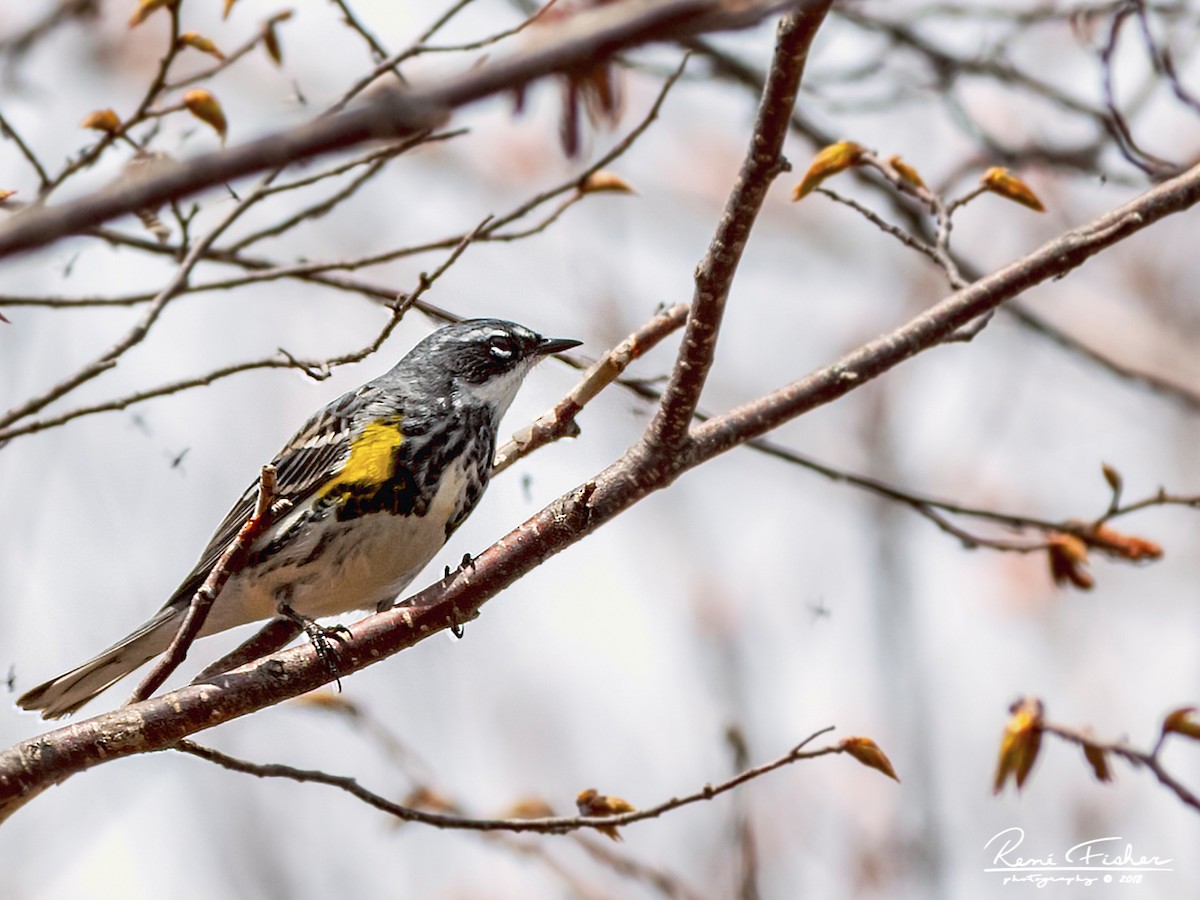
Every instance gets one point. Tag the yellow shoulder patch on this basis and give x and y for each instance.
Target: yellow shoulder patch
(372, 456)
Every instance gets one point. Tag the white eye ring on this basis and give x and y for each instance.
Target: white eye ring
(500, 352)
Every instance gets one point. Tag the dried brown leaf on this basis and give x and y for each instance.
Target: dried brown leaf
(1097, 758)
(833, 159)
(1125, 546)
(427, 798)
(1068, 556)
(867, 752)
(592, 803)
(330, 702)
(1021, 742)
(102, 120)
(905, 171)
(144, 10)
(1000, 181)
(1182, 721)
(529, 808)
(200, 42)
(205, 107)
(1113, 477)
(271, 44)
(603, 181)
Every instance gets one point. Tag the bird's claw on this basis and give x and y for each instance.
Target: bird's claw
(321, 637)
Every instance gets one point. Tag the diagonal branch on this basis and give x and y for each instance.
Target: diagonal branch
(163, 721)
(731, 68)
(1052, 260)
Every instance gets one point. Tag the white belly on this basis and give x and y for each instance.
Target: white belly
(384, 554)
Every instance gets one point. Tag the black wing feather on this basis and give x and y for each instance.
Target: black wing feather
(313, 456)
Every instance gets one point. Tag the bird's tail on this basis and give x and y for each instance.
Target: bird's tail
(63, 695)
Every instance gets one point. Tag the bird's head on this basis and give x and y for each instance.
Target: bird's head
(484, 359)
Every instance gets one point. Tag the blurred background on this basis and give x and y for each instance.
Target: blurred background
(753, 597)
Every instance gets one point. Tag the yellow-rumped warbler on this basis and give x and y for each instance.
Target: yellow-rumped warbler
(377, 481)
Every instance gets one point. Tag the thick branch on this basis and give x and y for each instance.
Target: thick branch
(730, 67)
(1051, 261)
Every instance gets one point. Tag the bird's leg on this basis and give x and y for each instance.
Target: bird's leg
(320, 635)
(467, 562)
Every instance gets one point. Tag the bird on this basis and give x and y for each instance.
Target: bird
(374, 484)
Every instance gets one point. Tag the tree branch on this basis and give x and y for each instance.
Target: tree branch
(231, 560)
(1051, 261)
(586, 36)
(764, 161)
(547, 825)
(559, 422)
(29, 767)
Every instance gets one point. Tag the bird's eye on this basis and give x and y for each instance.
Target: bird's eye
(501, 347)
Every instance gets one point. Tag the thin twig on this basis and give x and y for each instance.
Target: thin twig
(1026, 742)
(231, 561)
(727, 66)
(559, 421)
(492, 39)
(151, 95)
(545, 825)
(23, 41)
(1052, 260)
(8, 131)
(763, 162)
(207, 73)
(135, 335)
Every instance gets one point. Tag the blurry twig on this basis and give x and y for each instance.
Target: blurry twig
(543, 825)
(63, 11)
(496, 38)
(592, 33)
(317, 368)
(425, 794)
(1022, 744)
(1151, 759)
(265, 29)
(936, 509)
(7, 130)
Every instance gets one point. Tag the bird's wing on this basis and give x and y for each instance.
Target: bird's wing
(314, 455)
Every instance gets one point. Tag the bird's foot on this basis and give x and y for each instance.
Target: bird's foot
(467, 562)
(322, 637)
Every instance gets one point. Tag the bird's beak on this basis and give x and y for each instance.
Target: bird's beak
(556, 345)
